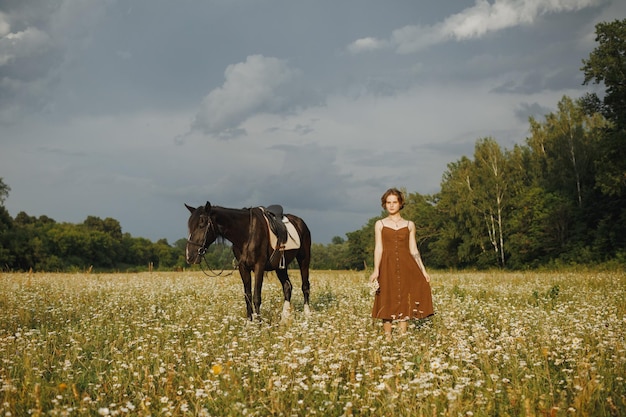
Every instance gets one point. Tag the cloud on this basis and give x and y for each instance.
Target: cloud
(22, 44)
(366, 44)
(38, 42)
(258, 85)
(526, 110)
(472, 23)
(5, 27)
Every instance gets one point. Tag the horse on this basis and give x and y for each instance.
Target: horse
(248, 232)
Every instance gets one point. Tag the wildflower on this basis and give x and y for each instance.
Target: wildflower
(62, 386)
(217, 369)
(103, 411)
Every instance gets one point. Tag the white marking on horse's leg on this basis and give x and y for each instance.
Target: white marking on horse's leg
(307, 310)
(286, 311)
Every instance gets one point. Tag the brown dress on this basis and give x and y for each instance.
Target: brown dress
(404, 292)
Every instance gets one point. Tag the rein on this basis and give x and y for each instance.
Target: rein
(213, 274)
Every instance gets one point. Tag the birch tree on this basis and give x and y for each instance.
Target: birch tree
(491, 192)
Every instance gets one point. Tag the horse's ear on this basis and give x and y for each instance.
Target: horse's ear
(207, 207)
(191, 209)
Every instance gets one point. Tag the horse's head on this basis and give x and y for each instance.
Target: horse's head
(202, 232)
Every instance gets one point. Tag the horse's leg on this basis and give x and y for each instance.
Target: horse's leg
(259, 270)
(304, 262)
(283, 276)
(247, 288)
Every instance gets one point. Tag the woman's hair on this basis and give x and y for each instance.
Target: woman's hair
(393, 191)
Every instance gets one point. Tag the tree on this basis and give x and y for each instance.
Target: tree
(4, 191)
(6, 224)
(109, 226)
(607, 64)
(459, 242)
(421, 209)
(6, 231)
(360, 243)
(564, 149)
(491, 194)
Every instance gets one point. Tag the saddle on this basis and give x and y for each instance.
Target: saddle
(274, 216)
(283, 235)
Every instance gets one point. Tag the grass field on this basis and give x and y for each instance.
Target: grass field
(161, 344)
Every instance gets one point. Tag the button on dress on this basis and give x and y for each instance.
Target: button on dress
(404, 292)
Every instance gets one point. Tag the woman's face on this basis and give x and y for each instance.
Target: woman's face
(392, 204)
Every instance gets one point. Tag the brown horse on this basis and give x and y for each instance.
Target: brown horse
(248, 232)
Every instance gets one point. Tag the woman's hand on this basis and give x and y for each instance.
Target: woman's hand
(374, 276)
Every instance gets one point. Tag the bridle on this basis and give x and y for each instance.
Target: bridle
(202, 248)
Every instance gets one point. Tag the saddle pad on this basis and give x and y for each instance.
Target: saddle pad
(293, 238)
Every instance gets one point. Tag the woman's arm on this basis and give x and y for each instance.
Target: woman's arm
(378, 249)
(415, 252)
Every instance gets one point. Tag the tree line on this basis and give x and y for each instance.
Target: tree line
(558, 199)
(42, 244)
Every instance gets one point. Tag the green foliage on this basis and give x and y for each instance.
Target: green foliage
(4, 191)
(41, 244)
(361, 246)
(607, 64)
(548, 298)
(334, 256)
(6, 226)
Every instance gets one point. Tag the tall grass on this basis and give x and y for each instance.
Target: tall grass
(169, 344)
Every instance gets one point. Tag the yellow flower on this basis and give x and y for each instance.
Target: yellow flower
(62, 386)
(217, 369)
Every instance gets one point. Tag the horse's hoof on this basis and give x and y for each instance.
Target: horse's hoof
(307, 310)
(286, 313)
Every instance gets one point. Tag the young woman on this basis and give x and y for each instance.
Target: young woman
(404, 291)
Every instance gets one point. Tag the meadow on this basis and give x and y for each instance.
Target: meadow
(178, 344)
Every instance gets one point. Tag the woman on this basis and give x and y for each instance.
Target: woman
(404, 291)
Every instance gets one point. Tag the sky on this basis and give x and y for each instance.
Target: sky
(130, 109)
